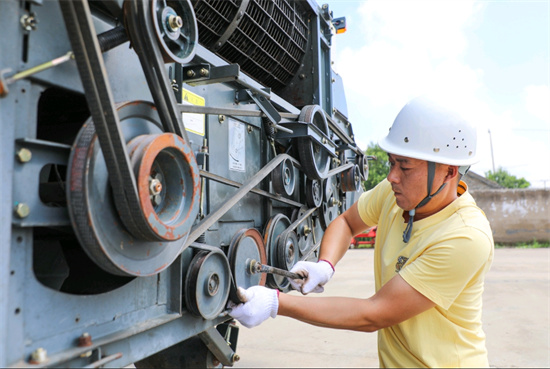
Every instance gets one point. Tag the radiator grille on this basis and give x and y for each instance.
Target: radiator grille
(267, 38)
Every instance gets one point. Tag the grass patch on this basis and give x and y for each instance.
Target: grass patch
(524, 245)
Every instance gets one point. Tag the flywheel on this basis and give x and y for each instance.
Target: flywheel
(167, 184)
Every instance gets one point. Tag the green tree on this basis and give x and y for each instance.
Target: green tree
(505, 179)
(379, 168)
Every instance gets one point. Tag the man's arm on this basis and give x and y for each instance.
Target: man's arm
(396, 302)
(338, 234)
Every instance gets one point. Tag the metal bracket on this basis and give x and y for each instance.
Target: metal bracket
(205, 74)
(217, 344)
(302, 129)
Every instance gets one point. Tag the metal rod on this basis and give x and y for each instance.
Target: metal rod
(257, 267)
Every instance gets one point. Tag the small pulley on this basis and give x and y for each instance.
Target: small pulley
(283, 178)
(331, 205)
(176, 29)
(304, 231)
(363, 162)
(351, 179)
(314, 158)
(166, 181)
(276, 225)
(246, 245)
(287, 250)
(207, 284)
(314, 193)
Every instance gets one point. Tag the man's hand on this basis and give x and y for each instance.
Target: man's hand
(259, 304)
(315, 276)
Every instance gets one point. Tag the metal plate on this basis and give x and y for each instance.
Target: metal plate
(275, 226)
(92, 209)
(207, 284)
(246, 245)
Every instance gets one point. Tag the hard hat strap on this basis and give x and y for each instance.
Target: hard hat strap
(431, 175)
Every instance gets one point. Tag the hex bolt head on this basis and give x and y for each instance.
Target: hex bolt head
(190, 73)
(203, 72)
(235, 358)
(85, 340)
(24, 155)
(22, 210)
(175, 22)
(38, 356)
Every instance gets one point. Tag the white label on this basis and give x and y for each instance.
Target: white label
(237, 152)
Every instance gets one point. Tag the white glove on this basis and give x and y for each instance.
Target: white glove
(315, 274)
(259, 304)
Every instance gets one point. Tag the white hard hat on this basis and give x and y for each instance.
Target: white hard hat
(426, 130)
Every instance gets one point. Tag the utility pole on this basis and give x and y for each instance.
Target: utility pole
(492, 156)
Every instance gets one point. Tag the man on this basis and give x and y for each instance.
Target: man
(433, 249)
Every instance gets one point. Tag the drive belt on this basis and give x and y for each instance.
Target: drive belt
(83, 38)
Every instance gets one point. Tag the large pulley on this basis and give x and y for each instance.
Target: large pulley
(314, 158)
(246, 245)
(168, 188)
(207, 284)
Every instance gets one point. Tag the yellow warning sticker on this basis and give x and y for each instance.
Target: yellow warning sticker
(193, 122)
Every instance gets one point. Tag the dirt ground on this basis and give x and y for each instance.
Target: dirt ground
(516, 315)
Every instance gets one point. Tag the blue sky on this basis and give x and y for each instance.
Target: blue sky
(492, 58)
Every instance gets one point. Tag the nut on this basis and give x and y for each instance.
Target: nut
(38, 356)
(24, 155)
(22, 210)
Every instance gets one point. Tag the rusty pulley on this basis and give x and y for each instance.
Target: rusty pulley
(162, 166)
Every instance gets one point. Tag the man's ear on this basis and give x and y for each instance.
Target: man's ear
(452, 172)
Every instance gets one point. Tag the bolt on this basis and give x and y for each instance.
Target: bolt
(307, 230)
(249, 129)
(38, 356)
(175, 22)
(302, 76)
(235, 358)
(22, 210)
(28, 22)
(221, 118)
(24, 155)
(333, 80)
(204, 72)
(85, 340)
(324, 140)
(155, 186)
(190, 73)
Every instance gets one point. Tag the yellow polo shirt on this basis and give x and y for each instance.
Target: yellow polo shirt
(446, 260)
